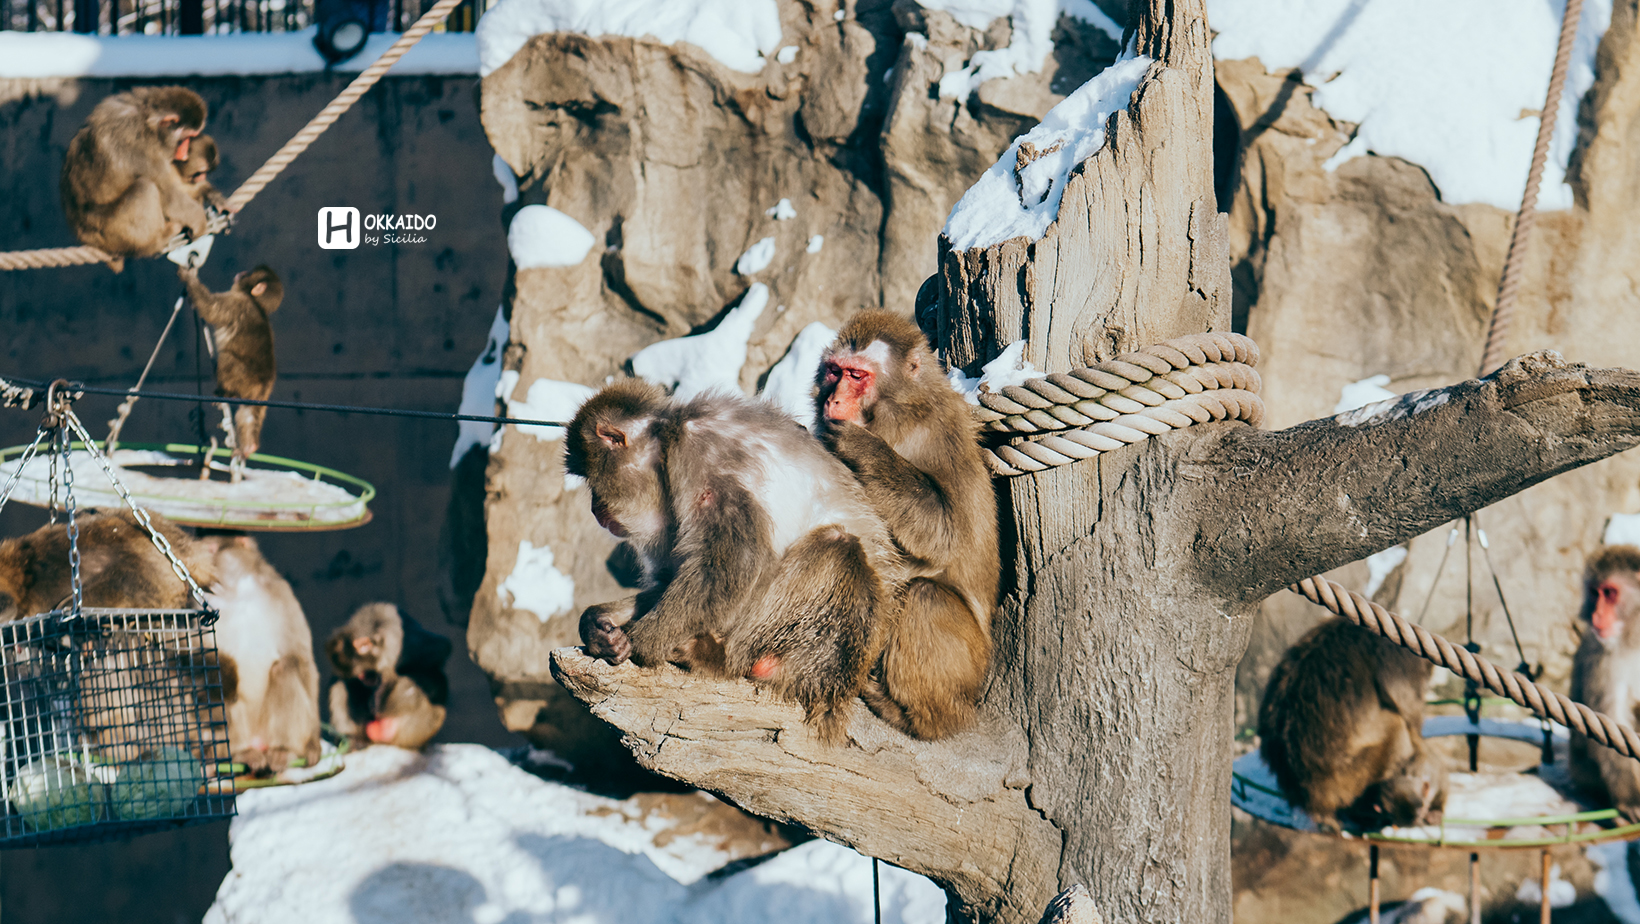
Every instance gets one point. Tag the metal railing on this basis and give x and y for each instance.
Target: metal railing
(200, 17)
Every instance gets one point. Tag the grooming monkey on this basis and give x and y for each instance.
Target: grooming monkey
(203, 157)
(1341, 726)
(886, 409)
(273, 706)
(390, 686)
(1606, 673)
(762, 556)
(120, 189)
(243, 339)
(119, 566)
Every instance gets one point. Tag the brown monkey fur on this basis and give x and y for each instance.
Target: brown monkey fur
(120, 189)
(390, 686)
(1606, 673)
(273, 706)
(243, 336)
(203, 157)
(1341, 726)
(119, 566)
(762, 556)
(885, 408)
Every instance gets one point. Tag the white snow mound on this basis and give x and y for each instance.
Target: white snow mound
(1032, 23)
(792, 379)
(1009, 368)
(757, 257)
(540, 235)
(691, 365)
(536, 585)
(478, 391)
(1010, 202)
(740, 34)
(547, 399)
(1369, 390)
(460, 834)
(1453, 87)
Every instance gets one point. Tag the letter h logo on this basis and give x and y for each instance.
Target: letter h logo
(339, 228)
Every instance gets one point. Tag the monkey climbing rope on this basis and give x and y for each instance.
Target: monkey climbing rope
(74, 256)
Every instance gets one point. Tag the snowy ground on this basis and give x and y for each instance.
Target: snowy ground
(63, 54)
(460, 835)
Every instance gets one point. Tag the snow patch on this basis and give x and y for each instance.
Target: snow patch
(63, 54)
(756, 258)
(1562, 894)
(787, 55)
(1010, 368)
(508, 180)
(547, 399)
(540, 235)
(1019, 196)
(791, 382)
(1031, 41)
(815, 243)
(781, 211)
(691, 365)
(1379, 566)
(1369, 390)
(1612, 881)
(738, 33)
(478, 391)
(536, 585)
(1622, 529)
(1452, 86)
(1427, 906)
(1090, 13)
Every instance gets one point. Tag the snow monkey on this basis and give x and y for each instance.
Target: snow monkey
(390, 686)
(119, 566)
(1606, 673)
(887, 410)
(264, 639)
(1341, 726)
(202, 159)
(762, 556)
(244, 349)
(120, 189)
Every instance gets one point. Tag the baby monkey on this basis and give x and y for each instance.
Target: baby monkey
(243, 340)
(390, 686)
(202, 159)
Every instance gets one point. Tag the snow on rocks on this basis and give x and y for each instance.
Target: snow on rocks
(547, 399)
(536, 585)
(1019, 195)
(691, 365)
(508, 180)
(757, 257)
(540, 235)
(1032, 24)
(1369, 390)
(1453, 87)
(64, 54)
(1009, 368)
(1622, 529)
(791, 381)
(460, 834)
(781, 211)
(815, 243)
(478, 391)
(740, 34)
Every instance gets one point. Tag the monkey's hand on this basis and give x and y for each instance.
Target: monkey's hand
(602, 634)
(187, 273)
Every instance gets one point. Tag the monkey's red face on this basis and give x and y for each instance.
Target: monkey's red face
(1608, 610)
(849, 386)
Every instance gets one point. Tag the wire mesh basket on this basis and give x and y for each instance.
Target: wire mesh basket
(114, 725)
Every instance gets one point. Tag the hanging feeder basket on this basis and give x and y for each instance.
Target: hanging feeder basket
(277, 494)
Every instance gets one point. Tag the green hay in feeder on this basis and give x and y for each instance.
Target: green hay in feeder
(53, 793)
(161, 786)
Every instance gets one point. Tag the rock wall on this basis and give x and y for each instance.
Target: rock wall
(672, 161)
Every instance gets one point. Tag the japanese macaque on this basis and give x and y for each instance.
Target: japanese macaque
(119, 566)
(263, 637)
(202, 159)
(1341, 726)
(390, 686)
(120, 188)
(886, 410)
(1606, 673)
(244, 350)
(762, 556)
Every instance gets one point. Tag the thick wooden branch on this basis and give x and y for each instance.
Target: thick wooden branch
(954, 809)
(1277, 507)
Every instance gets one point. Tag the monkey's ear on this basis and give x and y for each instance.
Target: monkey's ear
(914, 363)
(612, 436)
(259, 288)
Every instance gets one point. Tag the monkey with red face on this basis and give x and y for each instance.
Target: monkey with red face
(1606, 673)
(887, 410)
(761, 555)
(390, 685)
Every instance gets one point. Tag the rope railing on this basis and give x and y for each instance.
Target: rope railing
(76, 256)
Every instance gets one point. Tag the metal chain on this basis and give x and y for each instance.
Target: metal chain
(51, 477)
(70, 508)
(22, 463)
(208, 613)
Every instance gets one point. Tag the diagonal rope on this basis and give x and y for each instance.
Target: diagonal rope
(75, 256)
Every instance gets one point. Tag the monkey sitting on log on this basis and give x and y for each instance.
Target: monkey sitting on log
(263, 639)
(390, 686)
(1606, 673)
(119, 566)
(243, 338)
(886, 409)
(1341, 726)
(762, 556)
(120, 190)
(203, 157)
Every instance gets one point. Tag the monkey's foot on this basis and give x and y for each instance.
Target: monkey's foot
(607, 641)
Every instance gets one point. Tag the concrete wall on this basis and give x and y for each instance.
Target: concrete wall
(394, 326)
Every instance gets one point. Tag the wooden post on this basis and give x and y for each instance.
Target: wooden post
(1372, 884)
(1543, 911)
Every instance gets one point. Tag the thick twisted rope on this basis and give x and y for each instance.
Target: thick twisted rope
(75, 256)
(1544, 702)
(1493, 356)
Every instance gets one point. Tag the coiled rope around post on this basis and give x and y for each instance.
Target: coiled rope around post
(1544, 702)
(1498, 332)
(75, 256)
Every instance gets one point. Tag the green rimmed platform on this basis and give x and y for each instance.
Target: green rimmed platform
(276, 495)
